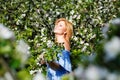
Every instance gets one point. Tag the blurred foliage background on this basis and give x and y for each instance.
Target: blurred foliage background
(33, 21)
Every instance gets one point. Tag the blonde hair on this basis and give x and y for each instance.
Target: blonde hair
(69, 27)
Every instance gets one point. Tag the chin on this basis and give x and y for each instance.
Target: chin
(55, 31)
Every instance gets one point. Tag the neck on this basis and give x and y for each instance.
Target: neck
(60, 38)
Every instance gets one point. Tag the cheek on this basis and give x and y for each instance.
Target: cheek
(64, 29)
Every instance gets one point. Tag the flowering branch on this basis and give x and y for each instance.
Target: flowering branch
(7, 68)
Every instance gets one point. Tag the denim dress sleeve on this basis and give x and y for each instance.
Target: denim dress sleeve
(65, 66)
(65, 63)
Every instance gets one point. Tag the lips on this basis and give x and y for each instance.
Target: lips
(55, 30)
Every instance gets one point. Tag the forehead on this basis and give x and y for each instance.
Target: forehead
(61, 22)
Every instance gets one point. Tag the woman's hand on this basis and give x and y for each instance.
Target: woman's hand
(42, 62)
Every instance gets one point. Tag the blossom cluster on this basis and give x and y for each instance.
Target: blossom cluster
(13, 55)
(49, 52)
(92, 72)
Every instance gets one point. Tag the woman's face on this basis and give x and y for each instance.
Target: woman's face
(60, 28)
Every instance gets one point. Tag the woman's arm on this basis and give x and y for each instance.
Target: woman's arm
(57, 67)
(54, 65)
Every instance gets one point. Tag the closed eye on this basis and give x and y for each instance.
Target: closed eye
(60, 25)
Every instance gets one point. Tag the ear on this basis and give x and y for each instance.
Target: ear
(65, 33)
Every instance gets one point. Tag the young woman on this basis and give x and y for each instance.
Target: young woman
(63, 32)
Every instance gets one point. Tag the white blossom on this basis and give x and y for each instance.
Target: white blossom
(42, 31)
(91, 30)
(38, 44)
(39, 58)
(99, 17)
(78, 17)
(103, 72)
(93, 36)
(37, 24)
(35, 71)
(76, 32)
(49, 43)
(5, 33)
(112, 48)
(72, 12)
(115, 21)
(18, 22)
(84, 48)
(79, 1)
(57, 13)
(81, 42)
(46, 15)
(23, 15)
(38, 63)
(112, 76)
(75, 38)
(118, 76)
(2, 78)
(49, 19)
(38, 11)
(44, 39)
(23, 50)
(74, 16)
(8, 76)
(38, 76)
(87, 44)
(92, 73)
(31, 18)
(79, 72)
(85, 31)
(105, 29)
(70, 18)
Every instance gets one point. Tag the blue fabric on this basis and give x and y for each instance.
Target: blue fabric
(65, 66)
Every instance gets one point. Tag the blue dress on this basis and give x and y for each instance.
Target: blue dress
(65, 66)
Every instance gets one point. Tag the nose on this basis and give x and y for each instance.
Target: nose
(57, 26)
